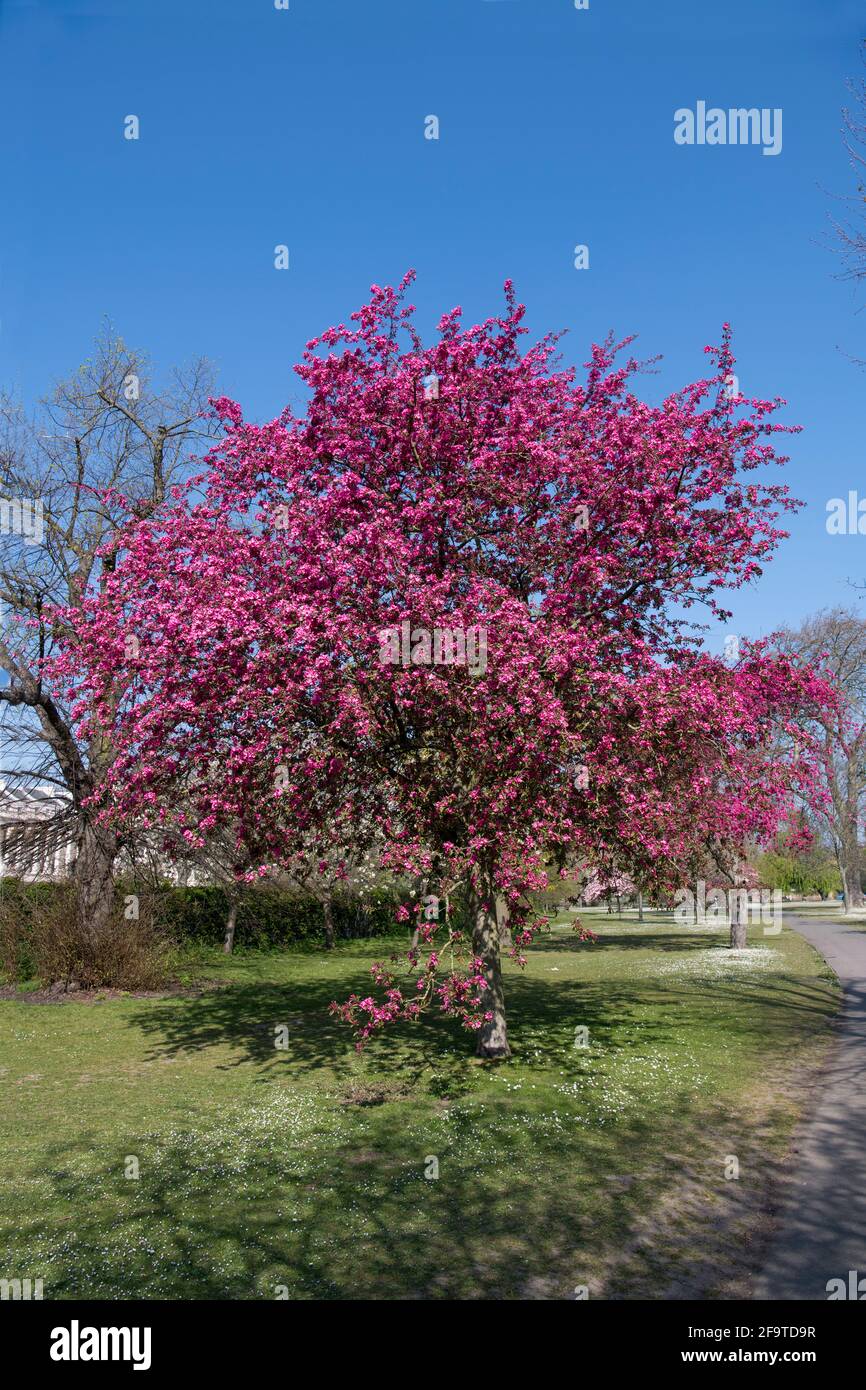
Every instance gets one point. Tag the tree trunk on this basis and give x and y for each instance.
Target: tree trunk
(640, 905)
(503, 924)
(94, 877)
(492, 1035)
(231, 923)
(738, 922)
(419, 885)
(849, 863)
(329, 924)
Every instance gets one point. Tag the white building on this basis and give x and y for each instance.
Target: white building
(38, 841)
(37, 834)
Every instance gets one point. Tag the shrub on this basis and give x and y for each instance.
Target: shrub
(41, 937)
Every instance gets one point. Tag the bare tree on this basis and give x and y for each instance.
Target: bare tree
(108, 443)
(852, 234)
(835, 639)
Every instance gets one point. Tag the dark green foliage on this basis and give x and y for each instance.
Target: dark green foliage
(268, 918)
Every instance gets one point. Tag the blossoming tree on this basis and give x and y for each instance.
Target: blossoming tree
(449, 596)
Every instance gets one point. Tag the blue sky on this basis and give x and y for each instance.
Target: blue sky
(306, 127)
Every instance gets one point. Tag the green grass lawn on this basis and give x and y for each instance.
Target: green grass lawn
(304, 1169)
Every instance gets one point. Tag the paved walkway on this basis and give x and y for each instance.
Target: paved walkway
(822, 1231)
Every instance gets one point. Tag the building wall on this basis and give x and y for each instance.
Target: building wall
(42, 853)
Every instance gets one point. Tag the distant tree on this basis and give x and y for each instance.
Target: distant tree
(802, 872)
(835, 640)
(607, 886)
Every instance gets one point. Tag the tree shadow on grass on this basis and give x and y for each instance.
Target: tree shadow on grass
(246, 1018)
(642, 939)
(631, 1014)
(353, 1222)
(519, 1210)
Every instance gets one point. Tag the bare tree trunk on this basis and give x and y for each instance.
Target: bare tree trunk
(420, 885)
(503, 924)
(738, 922)
(94, 876)
(849, 863)
(231, 923)
(329, 924)
(493, 1034)
(640, 904)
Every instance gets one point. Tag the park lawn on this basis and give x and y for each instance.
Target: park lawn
(268, 1173)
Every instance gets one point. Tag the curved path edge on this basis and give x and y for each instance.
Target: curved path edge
(821, 1226)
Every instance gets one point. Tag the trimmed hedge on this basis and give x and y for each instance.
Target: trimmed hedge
(270, 919)
(265, 919)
